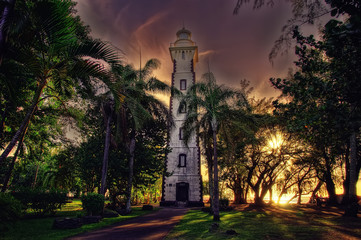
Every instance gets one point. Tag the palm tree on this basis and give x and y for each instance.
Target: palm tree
(108, 112)
(209, 106)
(134, 106)
(51, 53)
(7, 9)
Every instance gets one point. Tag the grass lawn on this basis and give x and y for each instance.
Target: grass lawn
(41, 228)
(269, 223)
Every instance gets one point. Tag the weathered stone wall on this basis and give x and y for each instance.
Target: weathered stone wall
(188, 174)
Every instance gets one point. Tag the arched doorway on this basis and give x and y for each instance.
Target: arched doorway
(182, 191)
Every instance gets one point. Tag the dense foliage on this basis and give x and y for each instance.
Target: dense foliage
(40, 201)
(10, 210)
(93, 203)
(324, 106)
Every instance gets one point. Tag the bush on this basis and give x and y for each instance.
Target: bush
(206, 209)
(93, 203)
(147, 207)
(224, 205)
(108, 213)
(223, 202)
(10, 210)
(41, 201)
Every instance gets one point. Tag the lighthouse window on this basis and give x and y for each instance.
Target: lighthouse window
(183, 108)
(181, 134)
(183, 36)
(182, 160)
(183, 84)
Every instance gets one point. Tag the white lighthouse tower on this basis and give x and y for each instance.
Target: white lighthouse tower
(184, 185)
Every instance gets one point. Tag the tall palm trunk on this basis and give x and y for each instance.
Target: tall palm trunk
(208, 149)
(215, 171)
(105, 157)
(210, 180)
(12, 164)
(352, 206)
(131, 169)
(25, 122)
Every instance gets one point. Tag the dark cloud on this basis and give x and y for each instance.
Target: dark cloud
(237, 47)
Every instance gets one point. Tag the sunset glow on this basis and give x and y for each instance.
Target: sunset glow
(234, 50)
(275, 141)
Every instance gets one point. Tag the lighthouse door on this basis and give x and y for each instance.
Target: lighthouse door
(182, 191)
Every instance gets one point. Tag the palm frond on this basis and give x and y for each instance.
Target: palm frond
(149, 67)
(96, 49)
(54, 19)
(139, 114)
(157, 86)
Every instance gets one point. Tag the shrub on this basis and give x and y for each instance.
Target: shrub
(108, 213)
(41, 201)
(10, 210)
(147, 207)
(93, 203)
(223, 202)
(206, 209)
(224, 205)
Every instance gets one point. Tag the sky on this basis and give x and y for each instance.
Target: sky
(236, 46)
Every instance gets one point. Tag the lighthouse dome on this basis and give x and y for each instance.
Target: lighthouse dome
(184, 34)
(184, 38)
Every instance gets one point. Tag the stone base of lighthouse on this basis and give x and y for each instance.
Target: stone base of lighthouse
(184, 186)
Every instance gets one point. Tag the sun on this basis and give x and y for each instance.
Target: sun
(274, 141)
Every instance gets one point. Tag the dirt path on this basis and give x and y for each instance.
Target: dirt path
(151, 226)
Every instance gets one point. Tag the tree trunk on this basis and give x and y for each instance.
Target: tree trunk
(246, 194)
(215, 171)
(270, 195)
(280, 196)
(11, 167)
(36, 175)
(103, 182)
(299, 194)
(208, 148)
(313, 196)
(131, 167)
(238, 191)
(264, 191)
(352, 206)
(25, 122)
(346, 182)
(330, 185)
(210, 181)
(258, 200)
(294, 196)
(237, 195)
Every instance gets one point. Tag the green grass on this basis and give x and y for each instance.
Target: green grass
(267, 224)
(41, 228)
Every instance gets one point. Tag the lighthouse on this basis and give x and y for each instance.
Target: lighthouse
(183, 187)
